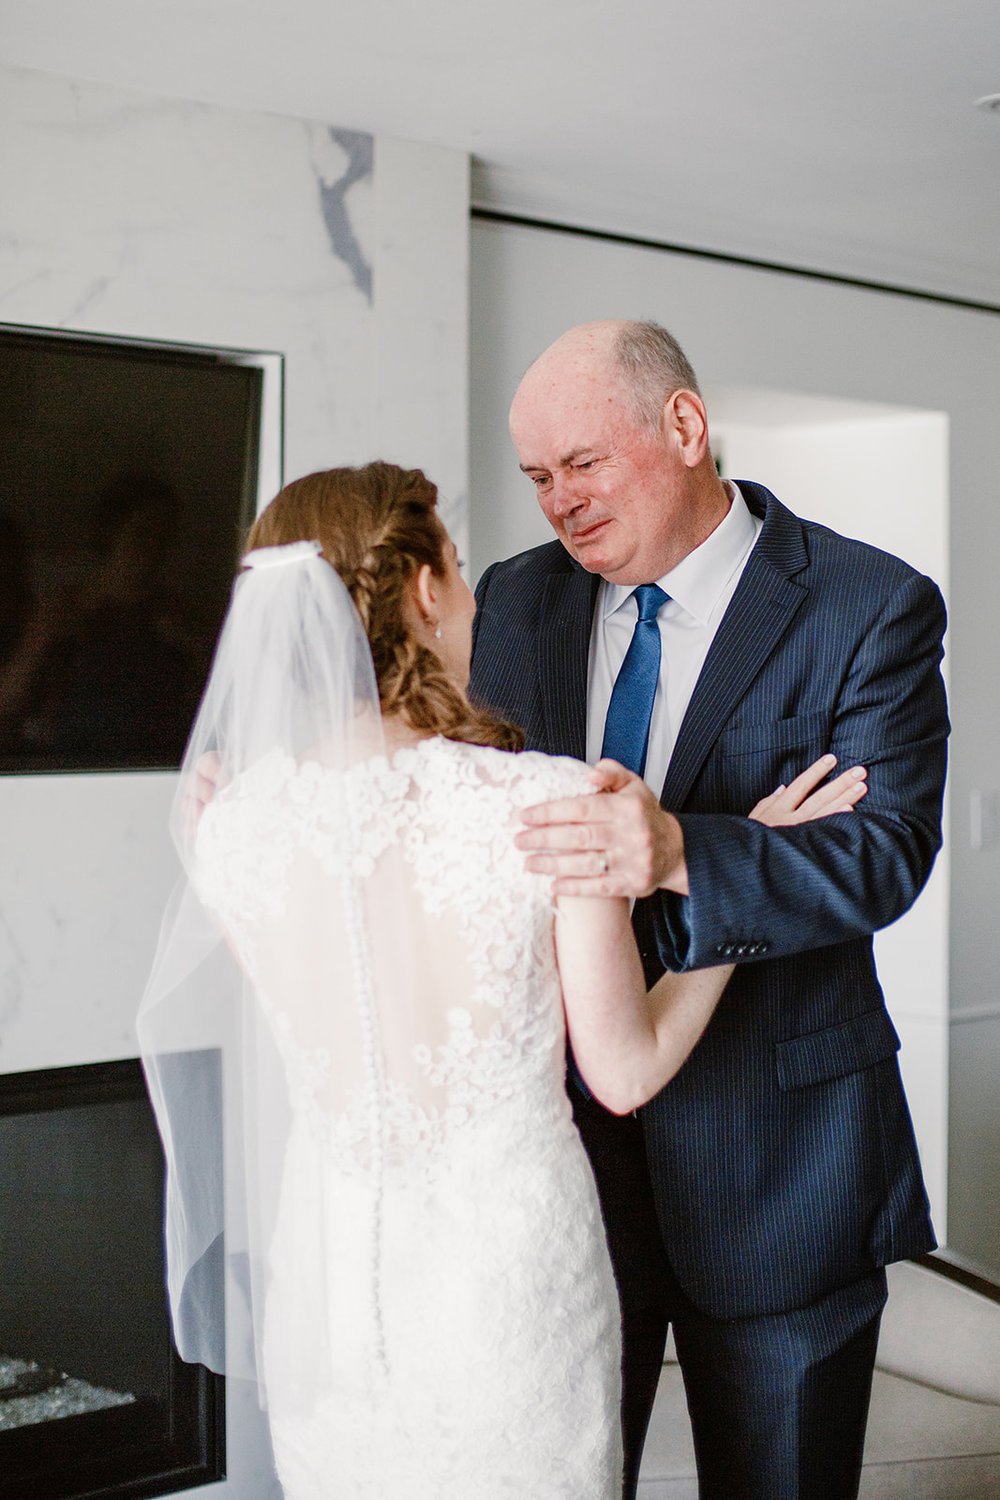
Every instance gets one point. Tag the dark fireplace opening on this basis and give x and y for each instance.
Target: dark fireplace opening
(94, 1401)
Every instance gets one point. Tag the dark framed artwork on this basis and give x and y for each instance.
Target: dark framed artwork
(128, 479)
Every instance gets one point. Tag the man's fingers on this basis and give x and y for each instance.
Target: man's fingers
(589, 866)
(564, 836)
(640, 845)
(570, 810)
(611, 776)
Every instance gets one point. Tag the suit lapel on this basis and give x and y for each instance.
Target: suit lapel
(563, 653)
(759, 613)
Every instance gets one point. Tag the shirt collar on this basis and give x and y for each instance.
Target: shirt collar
(699, 579)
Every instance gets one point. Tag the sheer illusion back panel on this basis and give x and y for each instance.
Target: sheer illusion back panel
(432, 935)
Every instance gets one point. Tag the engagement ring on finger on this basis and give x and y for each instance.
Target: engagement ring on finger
(604, 864)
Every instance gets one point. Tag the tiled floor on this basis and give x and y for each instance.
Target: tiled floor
(934, 1430)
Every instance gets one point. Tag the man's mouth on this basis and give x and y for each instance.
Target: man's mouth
(584, 534)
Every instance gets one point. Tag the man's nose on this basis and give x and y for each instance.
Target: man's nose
(564, 497)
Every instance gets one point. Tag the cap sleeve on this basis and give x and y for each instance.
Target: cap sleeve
(548, 778)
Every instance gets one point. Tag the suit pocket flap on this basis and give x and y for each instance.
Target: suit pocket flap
(775, 734)
(837, 1051)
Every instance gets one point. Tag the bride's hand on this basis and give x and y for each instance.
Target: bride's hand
(207, 778)
(799, 802)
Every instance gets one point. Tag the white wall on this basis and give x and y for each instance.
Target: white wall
(157, 219)
(880, 473)
(761, 330)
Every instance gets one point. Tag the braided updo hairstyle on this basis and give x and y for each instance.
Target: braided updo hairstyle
(378, 525)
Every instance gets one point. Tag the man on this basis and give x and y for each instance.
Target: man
(754, 1203)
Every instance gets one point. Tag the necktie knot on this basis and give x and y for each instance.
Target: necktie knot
(649, 597)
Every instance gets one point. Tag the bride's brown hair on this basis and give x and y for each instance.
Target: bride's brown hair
(378, 525)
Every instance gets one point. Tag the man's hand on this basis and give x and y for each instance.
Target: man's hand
(624, 844)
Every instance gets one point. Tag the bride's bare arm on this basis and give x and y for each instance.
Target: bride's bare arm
(628, 1042)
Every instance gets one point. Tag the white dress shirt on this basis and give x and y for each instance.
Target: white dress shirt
(700, 588)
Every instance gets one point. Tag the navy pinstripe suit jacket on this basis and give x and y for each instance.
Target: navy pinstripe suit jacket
(782, 1155)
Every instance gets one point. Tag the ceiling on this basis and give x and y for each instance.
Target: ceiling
(840, 137)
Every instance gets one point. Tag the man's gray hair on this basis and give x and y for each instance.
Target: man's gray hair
(652, 364)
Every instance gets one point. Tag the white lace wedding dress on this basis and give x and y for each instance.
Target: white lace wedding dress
(455, 1278)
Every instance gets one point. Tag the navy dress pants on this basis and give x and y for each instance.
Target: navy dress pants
(778, 1403)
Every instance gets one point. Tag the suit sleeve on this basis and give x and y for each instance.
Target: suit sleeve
(760, 892)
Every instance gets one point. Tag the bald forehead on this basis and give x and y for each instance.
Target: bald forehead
(588, 347)
(570, 370)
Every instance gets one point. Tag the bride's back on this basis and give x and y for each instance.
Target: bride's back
(387, 922)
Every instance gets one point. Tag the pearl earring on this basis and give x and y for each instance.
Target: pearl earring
(437, 633)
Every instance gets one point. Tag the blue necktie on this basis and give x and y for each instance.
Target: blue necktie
(626, 728)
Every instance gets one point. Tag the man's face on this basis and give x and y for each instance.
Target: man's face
(614, 493)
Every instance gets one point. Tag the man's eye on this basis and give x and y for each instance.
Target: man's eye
(585, 463)
(538, 480)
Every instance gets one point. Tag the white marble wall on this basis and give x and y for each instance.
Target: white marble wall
(162, 219)
(159, 219)
(155, 218)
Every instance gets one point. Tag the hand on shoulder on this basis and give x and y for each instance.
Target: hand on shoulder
(619, 844)
(624, 843)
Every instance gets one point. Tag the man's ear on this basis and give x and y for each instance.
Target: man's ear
(685, 422)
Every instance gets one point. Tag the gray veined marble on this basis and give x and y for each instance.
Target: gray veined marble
(359, 150)
(12, 970)
(91, 294)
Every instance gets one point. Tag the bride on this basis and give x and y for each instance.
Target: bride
(409, 1216)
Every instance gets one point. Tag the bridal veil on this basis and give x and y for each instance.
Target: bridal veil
(281, 1003)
